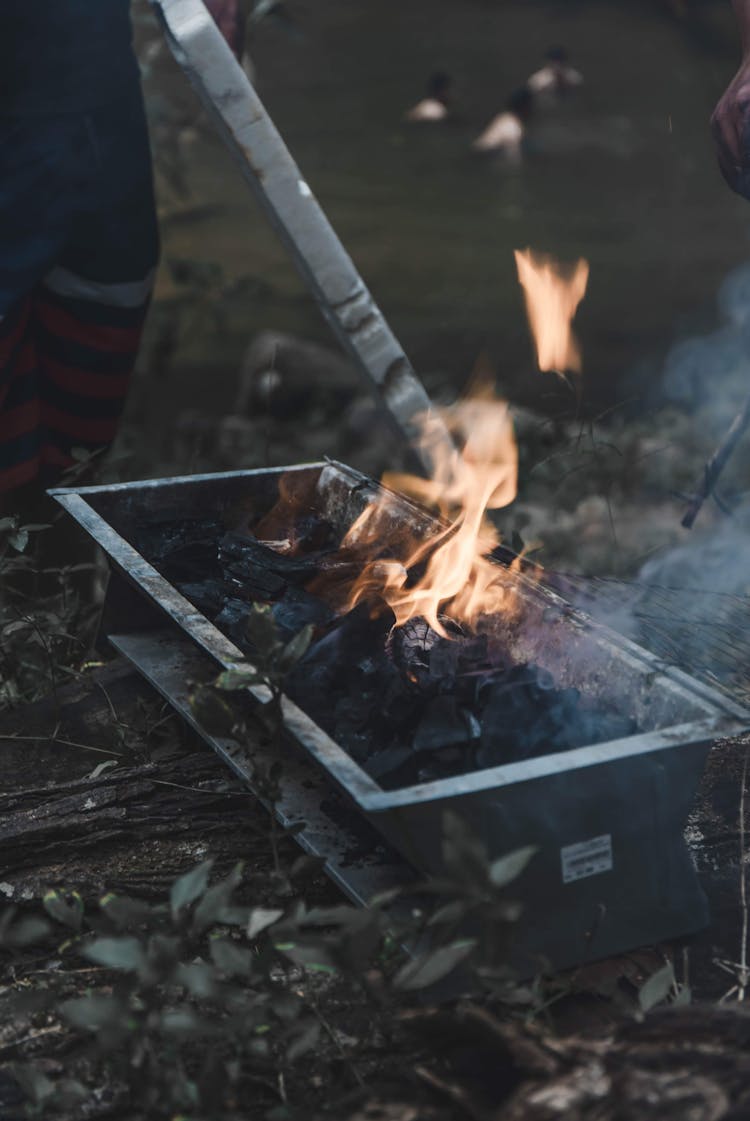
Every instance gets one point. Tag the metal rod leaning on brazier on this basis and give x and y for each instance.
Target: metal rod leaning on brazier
(237, 111)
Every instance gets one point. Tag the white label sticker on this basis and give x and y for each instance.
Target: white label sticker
(588, 858)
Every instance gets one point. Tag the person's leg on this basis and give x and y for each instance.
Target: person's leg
(39, 182)
(90, 309)
(86, 350)
(19, 401)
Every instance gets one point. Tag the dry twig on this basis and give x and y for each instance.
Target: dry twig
(716, 464)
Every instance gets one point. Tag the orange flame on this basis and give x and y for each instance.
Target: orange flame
(446, 575)
(552, 292)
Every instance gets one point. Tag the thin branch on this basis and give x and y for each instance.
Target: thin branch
(65, 743)
(716, 464)
(453, 1091)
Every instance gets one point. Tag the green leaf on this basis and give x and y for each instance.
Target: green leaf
(314, 957)
(198, 978)
(296, 648)
(320, 967)
(95, 1013)
(656, 988)
(27, 931)
(184, 1021)
(507, 868)
(449, 913)
(230, 958)
(19, 539)
(306, 1041)
(126, 954)
(34, 1083)
(189, 887)
(238, 678)
(124, 911)
(261, 918)
(214, 905)
(68, 911)
(683, 996)
(306, 865)
(426, 969)
(81, 455)
(211, 712)
(261, 630)
(464, 854)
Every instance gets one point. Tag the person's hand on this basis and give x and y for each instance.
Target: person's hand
(730, 125)
(229, 17)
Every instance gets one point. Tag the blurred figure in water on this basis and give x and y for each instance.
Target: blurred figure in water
(506, 132)
(556, 77)
(433, 107)
(730, 122)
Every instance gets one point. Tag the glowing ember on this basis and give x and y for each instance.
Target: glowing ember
(552, 292)
(448, 575)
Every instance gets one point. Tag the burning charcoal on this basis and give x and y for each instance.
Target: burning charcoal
(570, 697)
(599, 727)
(313, 533)
(329, 662)
(298, 609)
(352, 714)
(472, 652)
(523, 674)
(207, 595)
(451, 760)
(295, 516)
(393, 768)
(410, 646)
(437, 770)
(444, 764)
(255, 571)
(443, 661)
(397, 702)
(190, 563)
(163, 540)
(508, 724)
(357, 744)
(253, 586)
(476, 688)
(252, 571)
(232, 620)
(544, 679)
(443, 724)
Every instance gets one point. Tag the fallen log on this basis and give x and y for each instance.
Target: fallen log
(186, 796)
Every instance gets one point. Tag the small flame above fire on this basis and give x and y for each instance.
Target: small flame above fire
(552, 293)
(447, 575)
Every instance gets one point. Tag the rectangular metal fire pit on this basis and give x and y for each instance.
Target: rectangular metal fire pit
(612, 871)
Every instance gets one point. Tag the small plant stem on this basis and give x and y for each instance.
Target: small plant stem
(281, 1081)
(716, 464)
(337, 1044)
(64, 743)
(198, 789)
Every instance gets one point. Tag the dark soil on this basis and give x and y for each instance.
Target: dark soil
(169, 802)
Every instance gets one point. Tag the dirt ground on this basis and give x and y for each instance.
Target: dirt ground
(624, 178)
(585, 1051)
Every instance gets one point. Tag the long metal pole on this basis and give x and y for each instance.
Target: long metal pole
(278, 185)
